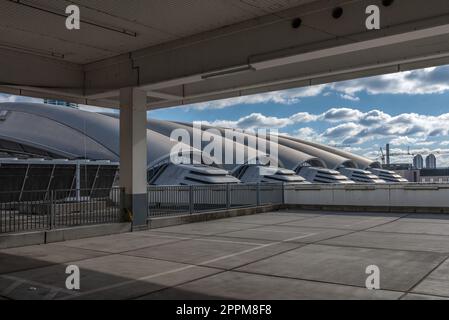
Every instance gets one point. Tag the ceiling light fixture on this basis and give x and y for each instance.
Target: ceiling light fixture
(227, 72)
(296, 23)
(32, 50)
(337, 12)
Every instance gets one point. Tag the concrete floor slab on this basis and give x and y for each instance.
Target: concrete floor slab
(412, 296)
(415, 228)
(362, 214)
(110, 277)
(346, 222)
(400, 270)
(235, 285)
(311, 213)
(427, 217)
(359, 214)
(250, 257)
(120, 242)
(296, 213)
(207, 228)
(23, 258)
(437, 283)
(286, 233)
(192, 252)
(267, 219)
(396, 241)
(224, 254)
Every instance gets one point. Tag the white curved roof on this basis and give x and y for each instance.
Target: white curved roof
(72, 133)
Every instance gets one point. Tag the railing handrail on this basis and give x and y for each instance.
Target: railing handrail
(59, 190)
(175, 200)
(27, 210)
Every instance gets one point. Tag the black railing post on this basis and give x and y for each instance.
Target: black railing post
(228, 196)
(191, 204)
(283, 193)
(148, 201)
(124, 214)
(52, 209)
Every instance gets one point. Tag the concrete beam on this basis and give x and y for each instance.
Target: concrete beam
(20, 70)
(266, 53)
(254, 56)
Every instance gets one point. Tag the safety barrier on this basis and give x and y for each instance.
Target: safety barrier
(22, 211)
(179, 200)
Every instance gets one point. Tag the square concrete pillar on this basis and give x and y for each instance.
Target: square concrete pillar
(133, 153)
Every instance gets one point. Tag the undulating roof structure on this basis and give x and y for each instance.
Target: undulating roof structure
(31, 130)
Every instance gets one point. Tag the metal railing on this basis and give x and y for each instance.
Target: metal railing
(102, 206)
(23, 211)
(181, 200)
(20, 211)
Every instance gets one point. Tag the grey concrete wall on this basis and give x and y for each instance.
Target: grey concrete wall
(162, 222)
(59, 235)
(414, 197)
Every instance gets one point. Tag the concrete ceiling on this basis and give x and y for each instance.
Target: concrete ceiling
(184, 51)
(114, 27)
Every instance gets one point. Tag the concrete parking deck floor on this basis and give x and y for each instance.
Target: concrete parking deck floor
(277, 255)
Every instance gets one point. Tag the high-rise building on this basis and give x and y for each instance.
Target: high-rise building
(418, 162)
(431, 161)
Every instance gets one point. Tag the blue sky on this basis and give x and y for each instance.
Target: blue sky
(408, 109)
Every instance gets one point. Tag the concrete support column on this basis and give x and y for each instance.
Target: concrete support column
(133, 153)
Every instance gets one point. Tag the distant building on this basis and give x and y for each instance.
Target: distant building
(413, 175)
(431, 161)
(418, 162)
(405, 170)
(60, 103)
(435, 175)
(398, 166)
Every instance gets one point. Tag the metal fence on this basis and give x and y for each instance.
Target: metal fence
(42, 210)
(23, 215)
(180, 200)
(23, 211)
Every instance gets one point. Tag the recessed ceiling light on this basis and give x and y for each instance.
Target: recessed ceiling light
(337, 12)
(296, 23)
(387, 3)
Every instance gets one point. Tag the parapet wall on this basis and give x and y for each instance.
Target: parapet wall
(387, 197)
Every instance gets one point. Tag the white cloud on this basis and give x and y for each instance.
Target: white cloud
(417, 82)
(306, 133)
(342, 130)
(310, 134)
(341, 114)
(354, 127)
(423, 81)
(407, 128)
(405, 140)
(286, 97)
(258, 120)
(349, 97)
(304, 117)
(425, 143)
